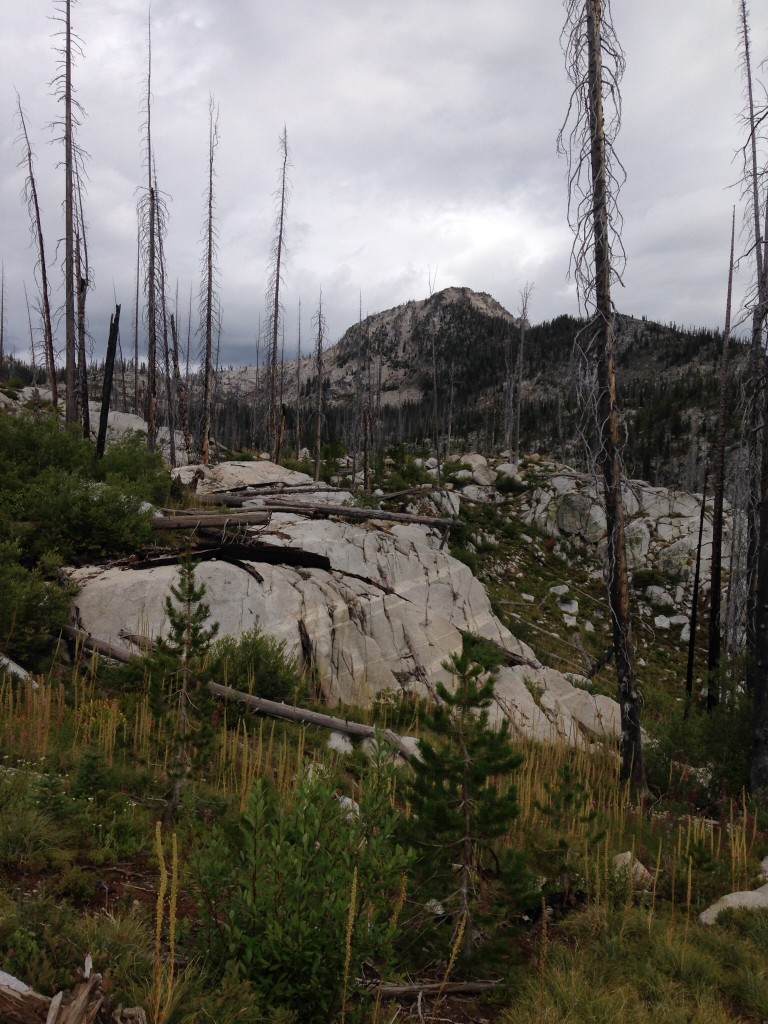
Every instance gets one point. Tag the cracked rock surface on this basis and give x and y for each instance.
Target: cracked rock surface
(386, 614)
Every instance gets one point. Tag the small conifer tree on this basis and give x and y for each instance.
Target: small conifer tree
(189, 638)
(459, 810)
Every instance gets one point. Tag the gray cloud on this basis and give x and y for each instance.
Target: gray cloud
(422, 136)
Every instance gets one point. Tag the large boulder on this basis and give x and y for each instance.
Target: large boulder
(756, 899)
(662, 526)
(383, 606)
(387, 610)
(229, 476)
(581, 515)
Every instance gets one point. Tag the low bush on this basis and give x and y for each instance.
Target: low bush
(304, 892)
(257, 663)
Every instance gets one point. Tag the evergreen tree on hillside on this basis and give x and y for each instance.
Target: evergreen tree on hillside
(460, 812)
(189, 638)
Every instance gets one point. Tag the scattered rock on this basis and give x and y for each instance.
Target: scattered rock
(340, 742)
(659, 596)
(757, 899)
(623, 863)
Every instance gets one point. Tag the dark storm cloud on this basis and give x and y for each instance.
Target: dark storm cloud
(422, 136)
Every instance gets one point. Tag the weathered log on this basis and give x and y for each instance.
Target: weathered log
(348, 512)
(194, 519)
(144, 643)
(239, 496)
(290, 713)
(433, 988)
(259, 704)
(251, 549)
(86, 1004)
(91, 643)
(11, 668)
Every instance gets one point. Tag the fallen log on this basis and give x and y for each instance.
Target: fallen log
(236, 498)
(432, 988)
(11, 668)
(272, 708)
(194, 519)
(348, 512)
(91, 643)
(289, 713)
(251, 548)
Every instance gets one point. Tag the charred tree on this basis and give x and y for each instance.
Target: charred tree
(595, 64)
(148, 215)
(298, 385)
(68, 123)
(170, 417)
(82, 279)
(319, 325)
(277, 258)
(69, 228)
(525, 296)
(209, 307)
(109, 367)
(716, 573)
(755, 418)
(2, 318)
(33, 205)
(181, 390)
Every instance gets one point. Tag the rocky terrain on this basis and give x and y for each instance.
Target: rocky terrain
(378, 606)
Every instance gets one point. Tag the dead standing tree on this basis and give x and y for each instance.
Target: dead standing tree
(82, 283)
(68, 123)
(2, 318)
(148, 217)
(757, 608)
(209, 304)
(277, 257)
(33, 205)
(524, 300)
(318, 323)
(595, 64)
(755, 420)
(715, 573)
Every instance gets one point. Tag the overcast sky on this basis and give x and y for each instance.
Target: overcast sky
(422, 138)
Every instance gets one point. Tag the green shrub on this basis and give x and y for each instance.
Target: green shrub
(30, 445)
(81, 519)
(128, 464)
(276, 894)
(703, 760)
(32, 610)
(257, 663)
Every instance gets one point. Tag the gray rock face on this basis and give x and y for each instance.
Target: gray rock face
(387, 611)
(579, 515)
(662, 525)
(546, 706)
(227, 476)
(757, 899)
(391, 608)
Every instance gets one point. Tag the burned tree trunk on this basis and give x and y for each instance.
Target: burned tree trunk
(109, 366)
(208, 305)
(716, 573)
(30, 190)
(590, 43)
(278, 246)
